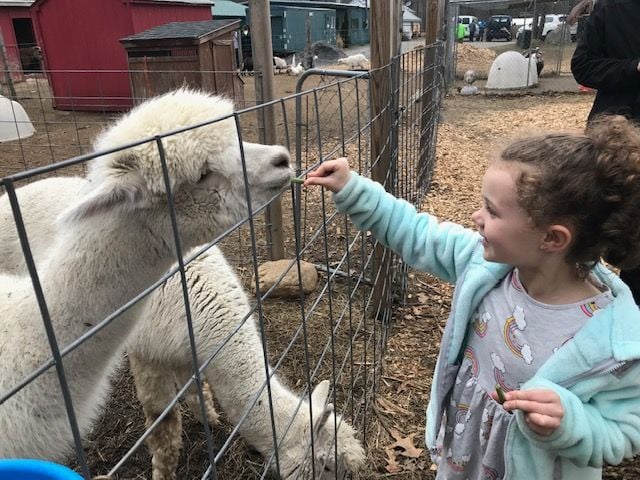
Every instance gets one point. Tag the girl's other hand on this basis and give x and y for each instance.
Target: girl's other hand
(332, 175)
(542, 409)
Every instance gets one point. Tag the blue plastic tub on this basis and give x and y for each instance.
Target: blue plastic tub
(17, 469)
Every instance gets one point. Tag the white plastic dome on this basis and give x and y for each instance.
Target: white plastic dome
(14, 121)
(512, 70)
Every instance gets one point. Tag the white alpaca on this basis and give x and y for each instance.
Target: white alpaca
(111, 244)
(357, 61)
(159, 354)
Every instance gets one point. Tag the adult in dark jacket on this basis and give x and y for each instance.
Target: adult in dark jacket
(607, 58)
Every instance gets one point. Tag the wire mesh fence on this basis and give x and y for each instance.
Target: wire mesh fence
(159, 265)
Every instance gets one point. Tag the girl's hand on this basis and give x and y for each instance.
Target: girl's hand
(542, 409)
(333, 175)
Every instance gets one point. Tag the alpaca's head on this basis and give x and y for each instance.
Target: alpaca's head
(295, 453)
(204, 163)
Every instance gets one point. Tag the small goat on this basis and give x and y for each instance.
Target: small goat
(355, 62)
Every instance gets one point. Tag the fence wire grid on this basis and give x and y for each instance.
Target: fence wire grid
(337, 332)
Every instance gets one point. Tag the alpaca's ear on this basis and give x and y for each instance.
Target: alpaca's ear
(109, 195)
(322, 419)
(319, 395)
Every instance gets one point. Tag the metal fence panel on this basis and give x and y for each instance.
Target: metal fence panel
(334, 332)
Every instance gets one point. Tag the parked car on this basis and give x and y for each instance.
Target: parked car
(551, 22)
(499, 27)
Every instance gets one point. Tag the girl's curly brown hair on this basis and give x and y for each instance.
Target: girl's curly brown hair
(592, 182)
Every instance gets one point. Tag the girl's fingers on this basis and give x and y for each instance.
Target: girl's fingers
(551, 409)
(329, 167)
(543, 421)
(535, 395)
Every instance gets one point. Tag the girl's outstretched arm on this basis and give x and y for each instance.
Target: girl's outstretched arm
(443, 249)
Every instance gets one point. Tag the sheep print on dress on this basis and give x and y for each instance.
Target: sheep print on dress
(510, 336)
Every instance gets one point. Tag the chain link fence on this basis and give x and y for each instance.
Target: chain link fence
(512, 45)
(268, 356)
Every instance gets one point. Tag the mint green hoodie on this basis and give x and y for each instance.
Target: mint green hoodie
(597, 375)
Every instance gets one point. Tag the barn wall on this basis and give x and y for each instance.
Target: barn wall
(84, 36)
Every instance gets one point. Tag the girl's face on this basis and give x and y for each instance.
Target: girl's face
(508, 235)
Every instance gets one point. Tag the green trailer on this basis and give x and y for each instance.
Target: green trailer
(293, 28)
(351, 21)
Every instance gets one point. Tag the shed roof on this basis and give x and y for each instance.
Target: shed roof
(182, 30)
(312, 4)
(495, 4)
(16, 3)
(227, 8)
(196, 2)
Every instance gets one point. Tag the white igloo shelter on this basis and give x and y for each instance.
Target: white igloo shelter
(14, 121)
(512, 70)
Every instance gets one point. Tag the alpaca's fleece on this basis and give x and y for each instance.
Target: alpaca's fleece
(114, 240)
(168, 113)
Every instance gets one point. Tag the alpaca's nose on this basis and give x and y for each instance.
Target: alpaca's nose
(281, 160)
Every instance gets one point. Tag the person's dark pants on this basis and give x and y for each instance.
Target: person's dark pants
(632, 279)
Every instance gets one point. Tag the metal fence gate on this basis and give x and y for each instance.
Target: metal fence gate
(336, 332)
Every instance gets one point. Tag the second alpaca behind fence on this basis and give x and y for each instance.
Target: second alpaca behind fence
(160, 350)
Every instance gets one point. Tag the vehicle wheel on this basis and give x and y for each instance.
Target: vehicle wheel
(542, 37)
(574, 38)
(509, 38)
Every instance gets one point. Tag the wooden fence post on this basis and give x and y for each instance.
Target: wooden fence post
(262, 52)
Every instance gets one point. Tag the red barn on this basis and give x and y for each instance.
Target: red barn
(80, 42)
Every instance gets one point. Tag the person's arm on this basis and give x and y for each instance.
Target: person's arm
(443, 249)
(590, 64)
(604, 430)
(578, 10)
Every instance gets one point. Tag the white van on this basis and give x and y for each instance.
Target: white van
(466, 20)
(555, 20)
(551, 22)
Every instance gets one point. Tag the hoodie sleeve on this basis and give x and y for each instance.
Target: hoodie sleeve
(443, 249)
(605, 430)
(593, 67)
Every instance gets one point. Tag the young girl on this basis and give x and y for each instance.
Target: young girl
(534, 313)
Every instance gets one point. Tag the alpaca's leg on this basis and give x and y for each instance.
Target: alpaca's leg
(192, 400)
(155, 387)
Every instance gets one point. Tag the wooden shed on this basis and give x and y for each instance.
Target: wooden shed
(197, 54)
(80, 39)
